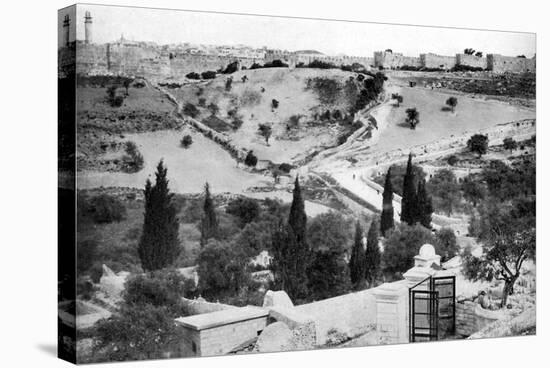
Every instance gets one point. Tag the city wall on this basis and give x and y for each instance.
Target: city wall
(472, 61)
(501, 64)
(437, 61)
(154, 62)
(493, 62)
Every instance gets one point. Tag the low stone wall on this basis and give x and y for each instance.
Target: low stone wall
(201, 306)
(470, 317)
(351, 314)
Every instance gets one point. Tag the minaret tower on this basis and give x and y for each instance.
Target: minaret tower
(66, 29)
(88, 27)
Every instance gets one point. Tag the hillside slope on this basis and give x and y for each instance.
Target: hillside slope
(298, 124)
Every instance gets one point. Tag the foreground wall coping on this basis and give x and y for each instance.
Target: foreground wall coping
(225, 317)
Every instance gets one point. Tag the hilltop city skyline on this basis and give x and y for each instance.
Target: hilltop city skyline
(328, 37)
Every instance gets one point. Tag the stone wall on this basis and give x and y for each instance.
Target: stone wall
(471, 60)
(351, 314)
(501, 64)
(470, 317)
(437, 61)
(391, 60)
(201, 306)
(137, 59)
(221, 340)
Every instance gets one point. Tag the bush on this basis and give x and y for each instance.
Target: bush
(250, 160)
(237, 123)
(246, 209)
(250, 97)
(228, 84)
(221, 269)
(114, 100)
(446, 245)
(133, 160)
(452, 160)
(231, 68)
(402, 244)
(106, 209)
(191, 110)
(163, 288)
(136, 333)
(322, 65)
(276, 64)
(284, 167)
(193, 75)
(213, 108)
(274, 104)
(186, 141)
(210, 74)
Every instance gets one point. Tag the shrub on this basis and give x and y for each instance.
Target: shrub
(133, 160)
(322, 65)
(228, 84)
(213, 108)
(113, 99)
(446, 245)
(191, 110)
(250, 160)
(106, 209)
(163, 288)
(186, 141)
(274, 104)
(510, 143)
(193, 75)
(327, 89)
(210, 74)
(246, 209)
(136, 333)
(276, 64)
(478, 143)
(221, 269)
(250, 97)
(402, 244)
(237, 123)
(452, 160)
(284, 167)
(231, 68)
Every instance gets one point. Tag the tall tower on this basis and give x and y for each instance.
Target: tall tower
(88, 27)
(66, 29)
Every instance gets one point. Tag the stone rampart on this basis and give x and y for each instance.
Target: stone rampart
(471, 61)
(434, 61)
(502, 64)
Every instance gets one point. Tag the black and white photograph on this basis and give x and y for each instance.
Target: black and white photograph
(235, 184)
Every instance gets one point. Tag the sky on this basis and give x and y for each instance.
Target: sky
(329, 37)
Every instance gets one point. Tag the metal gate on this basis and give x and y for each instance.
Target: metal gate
(432, 309)
(445, 287)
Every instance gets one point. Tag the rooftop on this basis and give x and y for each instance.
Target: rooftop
(225, 317)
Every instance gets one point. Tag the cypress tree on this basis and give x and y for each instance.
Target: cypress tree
(292, 256)
(289, 264)
(209, 222)
(408, 203)
(372, 254)
(357, 264)
(424, 205)
(159, 245)
(297, 218)
(386, 219)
